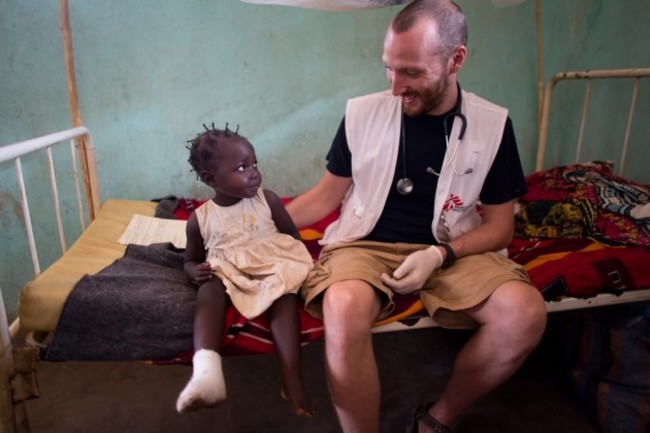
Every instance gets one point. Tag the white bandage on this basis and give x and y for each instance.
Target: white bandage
(207, 386)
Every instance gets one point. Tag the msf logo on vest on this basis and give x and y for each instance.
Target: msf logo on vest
(454, 203)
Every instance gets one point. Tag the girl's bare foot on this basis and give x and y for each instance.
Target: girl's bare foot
(294, 393)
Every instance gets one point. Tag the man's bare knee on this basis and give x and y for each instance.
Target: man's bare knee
(349, 309)
(526, 323)
(516, 313)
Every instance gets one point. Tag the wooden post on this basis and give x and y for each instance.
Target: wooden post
(540, 61)
(13, 415)
(86, 157)
(7, 370)
(7, 419)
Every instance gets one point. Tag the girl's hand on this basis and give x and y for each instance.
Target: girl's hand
(201, 273)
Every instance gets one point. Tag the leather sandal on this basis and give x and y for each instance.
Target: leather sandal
(421, 413)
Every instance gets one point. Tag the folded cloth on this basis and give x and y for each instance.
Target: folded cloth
(140, 307)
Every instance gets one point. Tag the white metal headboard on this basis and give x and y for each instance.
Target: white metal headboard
(635, 74)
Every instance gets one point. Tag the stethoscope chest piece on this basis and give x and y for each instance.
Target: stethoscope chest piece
(404, 186)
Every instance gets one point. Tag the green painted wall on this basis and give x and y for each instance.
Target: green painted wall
(150, 73)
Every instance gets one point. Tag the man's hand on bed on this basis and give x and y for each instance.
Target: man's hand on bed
(199, 273)
(414, 271)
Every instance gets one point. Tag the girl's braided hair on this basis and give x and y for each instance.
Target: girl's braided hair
(203, 148)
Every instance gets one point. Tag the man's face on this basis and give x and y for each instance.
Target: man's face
(417, 72)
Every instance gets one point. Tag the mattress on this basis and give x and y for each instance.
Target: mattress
(41, 300)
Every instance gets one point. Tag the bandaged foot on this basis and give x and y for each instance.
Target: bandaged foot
(207, 387)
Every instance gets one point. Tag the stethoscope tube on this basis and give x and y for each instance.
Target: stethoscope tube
(463, 126)
(405, 185)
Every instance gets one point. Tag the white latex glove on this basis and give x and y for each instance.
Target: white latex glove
(414, 270)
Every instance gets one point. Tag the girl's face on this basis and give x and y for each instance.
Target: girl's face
(235, 175)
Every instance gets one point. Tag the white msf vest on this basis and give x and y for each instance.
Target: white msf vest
(372, 127)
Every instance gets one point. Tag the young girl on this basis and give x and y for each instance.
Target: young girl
(241, 243)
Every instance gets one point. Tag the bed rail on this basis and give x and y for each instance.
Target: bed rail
(635, 74)
(14, 152)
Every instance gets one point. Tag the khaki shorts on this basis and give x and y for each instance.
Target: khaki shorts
(467, 283)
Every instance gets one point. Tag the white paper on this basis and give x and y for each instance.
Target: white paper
(146, 230)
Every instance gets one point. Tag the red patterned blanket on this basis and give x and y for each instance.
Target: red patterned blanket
(597, 245)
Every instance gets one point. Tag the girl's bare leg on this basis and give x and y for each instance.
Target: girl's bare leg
(285, 327)
(207, 387)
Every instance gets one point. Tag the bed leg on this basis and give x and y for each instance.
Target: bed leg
(13, 414)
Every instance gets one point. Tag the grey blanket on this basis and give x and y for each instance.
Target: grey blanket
(141, 307)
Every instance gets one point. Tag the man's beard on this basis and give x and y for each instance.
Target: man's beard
(430, 99)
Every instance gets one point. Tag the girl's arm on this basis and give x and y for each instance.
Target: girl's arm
(195, 266)
(280, 216)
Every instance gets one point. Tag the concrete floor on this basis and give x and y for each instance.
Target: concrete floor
(130, 397)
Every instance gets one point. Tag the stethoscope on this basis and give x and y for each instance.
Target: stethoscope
(405, 185)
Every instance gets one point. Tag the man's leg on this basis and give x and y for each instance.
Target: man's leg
(349, 309)
(512, 322)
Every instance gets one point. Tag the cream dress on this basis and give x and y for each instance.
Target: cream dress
(256, 263)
